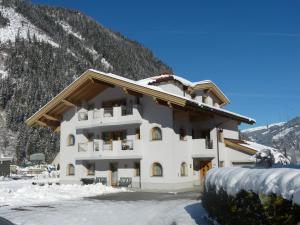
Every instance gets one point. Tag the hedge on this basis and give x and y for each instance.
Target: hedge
(249, 208)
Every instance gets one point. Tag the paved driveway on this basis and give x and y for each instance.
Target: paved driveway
(130, 208)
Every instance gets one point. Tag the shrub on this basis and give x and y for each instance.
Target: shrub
(249, 208)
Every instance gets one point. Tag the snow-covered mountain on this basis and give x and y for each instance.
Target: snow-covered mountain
(284, 136)
(42, 50)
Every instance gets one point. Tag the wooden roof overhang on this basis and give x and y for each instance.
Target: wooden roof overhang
(92, 82)
(236, 145)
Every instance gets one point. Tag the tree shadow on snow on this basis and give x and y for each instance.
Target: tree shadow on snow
(198, 213)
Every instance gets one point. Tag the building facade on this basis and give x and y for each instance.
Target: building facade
(163, 132)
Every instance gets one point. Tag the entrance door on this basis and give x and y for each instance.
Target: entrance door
(204, 167)
(114, 173)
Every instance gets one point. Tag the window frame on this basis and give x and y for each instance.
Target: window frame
(158, 129)
(154, 171)
(69, 138)
(69, 166)
(184, 169)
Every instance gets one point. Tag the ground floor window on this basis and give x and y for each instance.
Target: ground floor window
(70, 170)
(157, 170)
(183, 169)
(137, 170)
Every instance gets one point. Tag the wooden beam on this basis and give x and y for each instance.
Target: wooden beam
(104, 83)
(155, 100)
(68, 103)
(57, 129)
(50, 117)
(125, 90)
(41, 123)
(170, 104)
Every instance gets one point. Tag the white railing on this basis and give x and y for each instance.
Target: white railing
(96, 146)
(82, 147)
(96, 114)
(127, 144)
(107, 146)
(83, 116)
(108, 112)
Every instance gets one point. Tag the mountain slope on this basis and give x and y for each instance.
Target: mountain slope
(42, 50)
(284, 136)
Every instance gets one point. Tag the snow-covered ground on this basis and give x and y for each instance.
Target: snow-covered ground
(23, 203)
(21, 192)
(280, 181)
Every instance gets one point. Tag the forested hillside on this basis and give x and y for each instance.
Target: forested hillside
(42, 50)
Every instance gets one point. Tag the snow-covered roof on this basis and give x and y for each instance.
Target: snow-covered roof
(192, 86)
(92, 76)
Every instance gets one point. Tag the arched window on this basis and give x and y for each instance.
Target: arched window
(70, 170)
(157, 170)
(183, 169)
(156, 134)
(71, 140)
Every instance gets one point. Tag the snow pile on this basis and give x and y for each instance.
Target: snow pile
(20, 25)
(279, 181)
(22, 192)
(67, 28)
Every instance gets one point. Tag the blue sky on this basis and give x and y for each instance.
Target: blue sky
(250, 49)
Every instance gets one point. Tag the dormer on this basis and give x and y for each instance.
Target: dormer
(202, 91)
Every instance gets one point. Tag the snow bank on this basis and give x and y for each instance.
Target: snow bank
(279, 181)
(22, 192)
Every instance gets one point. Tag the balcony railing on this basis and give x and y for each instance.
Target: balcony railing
(96, 146)
(96, 114)
(127, 110)
(83, 116)
(127, 144)
(82, 147)
(108, 112)
(107, 146)
(208, 144)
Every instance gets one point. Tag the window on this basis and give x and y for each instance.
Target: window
(182, 134)
(157, 170)
(71, 140)
(156, 134)
(90, 167)
(183, 169)
(137, 169)
(70, 170)
(138, 134)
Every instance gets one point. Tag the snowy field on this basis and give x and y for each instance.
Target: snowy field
(27, 204)
(279, 181)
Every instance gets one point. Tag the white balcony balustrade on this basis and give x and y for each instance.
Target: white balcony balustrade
(119, 148)
(119, 115)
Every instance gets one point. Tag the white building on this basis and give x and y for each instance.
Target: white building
(163, 132)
